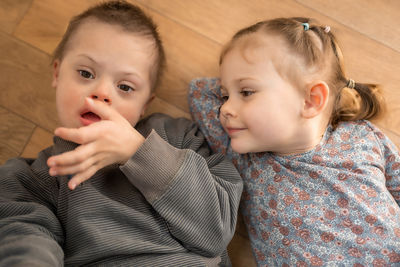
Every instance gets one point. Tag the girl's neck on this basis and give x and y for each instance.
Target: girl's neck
(305, 140)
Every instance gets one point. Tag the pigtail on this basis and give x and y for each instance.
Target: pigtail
(358, 101)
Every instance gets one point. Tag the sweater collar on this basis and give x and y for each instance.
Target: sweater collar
(61, 145)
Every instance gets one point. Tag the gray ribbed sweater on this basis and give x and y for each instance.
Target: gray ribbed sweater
(167, 206)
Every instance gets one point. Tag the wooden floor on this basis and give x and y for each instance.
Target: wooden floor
(193, 32)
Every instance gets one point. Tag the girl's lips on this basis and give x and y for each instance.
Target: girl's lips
(232, 131)
(88, 118)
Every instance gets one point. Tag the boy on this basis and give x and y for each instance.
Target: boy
(152, 195)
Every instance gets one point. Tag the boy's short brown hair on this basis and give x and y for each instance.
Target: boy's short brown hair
(131, 18)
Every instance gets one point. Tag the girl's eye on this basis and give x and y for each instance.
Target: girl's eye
(86, 74)
(125, 87)
(224, 98)
(246, 93)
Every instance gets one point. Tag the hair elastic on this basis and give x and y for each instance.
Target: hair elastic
(351, 84)
(327, 29)
(306, 26)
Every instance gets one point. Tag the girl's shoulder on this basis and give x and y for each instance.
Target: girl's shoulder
(362, 132)
(358, 128)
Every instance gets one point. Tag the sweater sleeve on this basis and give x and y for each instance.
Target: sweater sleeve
(204, 103)
(196, 192)
(30, 233)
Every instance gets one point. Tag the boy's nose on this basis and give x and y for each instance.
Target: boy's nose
(101, 98)
(102, 93)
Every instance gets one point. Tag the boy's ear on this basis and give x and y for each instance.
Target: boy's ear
(56, 71)
(152, 96)
(316, 99)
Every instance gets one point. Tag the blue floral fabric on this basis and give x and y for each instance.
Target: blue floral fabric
(336, 205)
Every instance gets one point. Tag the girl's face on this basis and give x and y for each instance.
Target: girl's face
(262, 110)
(107, 64)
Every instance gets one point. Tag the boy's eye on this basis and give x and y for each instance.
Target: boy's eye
(125, 87)
(86, 74)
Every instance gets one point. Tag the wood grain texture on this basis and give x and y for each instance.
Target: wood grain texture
(40, 140)
(377, 19)
(15, 132)
(25, 80)
(11, 13)
(46, 21)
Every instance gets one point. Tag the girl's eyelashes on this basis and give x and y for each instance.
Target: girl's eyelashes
(246, 92)
(86, 74)
(125, 88)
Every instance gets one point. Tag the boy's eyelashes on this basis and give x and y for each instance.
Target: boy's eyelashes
(126, 88)
(86, 74)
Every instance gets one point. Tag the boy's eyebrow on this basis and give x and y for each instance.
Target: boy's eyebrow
(88, 57)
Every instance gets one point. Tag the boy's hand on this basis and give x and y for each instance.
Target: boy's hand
(111, 140)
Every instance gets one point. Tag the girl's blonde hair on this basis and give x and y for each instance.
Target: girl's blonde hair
(128, 16)
(316, 45)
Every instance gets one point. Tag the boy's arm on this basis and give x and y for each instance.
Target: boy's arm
(30, 233)
(196, 193)
(204, 103)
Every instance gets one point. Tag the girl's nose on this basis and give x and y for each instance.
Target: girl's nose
(226, 110)
(102, 92)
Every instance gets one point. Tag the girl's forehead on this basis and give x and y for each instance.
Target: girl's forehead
(258, 47)
(272, 52)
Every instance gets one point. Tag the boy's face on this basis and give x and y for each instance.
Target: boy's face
(107, 64)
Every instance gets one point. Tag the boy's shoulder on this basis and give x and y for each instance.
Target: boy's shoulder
(164, 124)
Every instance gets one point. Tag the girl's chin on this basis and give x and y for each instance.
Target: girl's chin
(239, 149)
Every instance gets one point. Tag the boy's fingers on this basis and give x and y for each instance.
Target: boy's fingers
(102, 109)
(82, 135)
(78, 155)
(72, 169)
(83, 176)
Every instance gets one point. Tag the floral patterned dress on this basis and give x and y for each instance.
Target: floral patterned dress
(336, 205)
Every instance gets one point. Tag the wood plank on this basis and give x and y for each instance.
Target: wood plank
(160, 106)
(46, 21)
(26, 83)
(40, 140)
(14, 134)
(240, 252)
(377, 19)
(11, 12)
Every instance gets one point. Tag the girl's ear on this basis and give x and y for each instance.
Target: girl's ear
(316, 99)
(56, 71)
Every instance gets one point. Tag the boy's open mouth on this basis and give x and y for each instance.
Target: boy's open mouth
(90, 117)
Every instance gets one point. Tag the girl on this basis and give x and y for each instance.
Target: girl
(321, 181)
